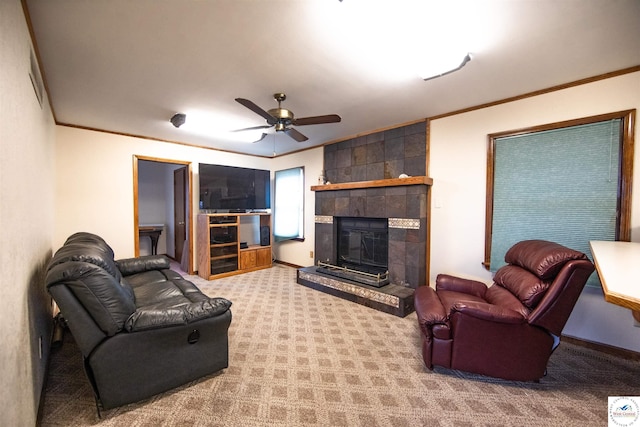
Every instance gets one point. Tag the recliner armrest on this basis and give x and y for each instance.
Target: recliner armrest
(428, 307)
(458, 284)
(144, 319)
(129, 266)
(489, 312)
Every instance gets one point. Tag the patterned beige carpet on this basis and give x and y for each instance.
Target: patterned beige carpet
(299, 357)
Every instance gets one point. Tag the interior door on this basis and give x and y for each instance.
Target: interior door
(180, 210)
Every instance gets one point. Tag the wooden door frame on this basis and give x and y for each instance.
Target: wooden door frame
(180, 204)
(189, 199)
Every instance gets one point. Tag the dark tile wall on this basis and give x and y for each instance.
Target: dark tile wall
(381, 155)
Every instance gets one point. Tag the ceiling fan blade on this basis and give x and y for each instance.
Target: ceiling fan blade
(253, 128)
(317, 120)
(261, 138)
(253, 107)
(295, 135)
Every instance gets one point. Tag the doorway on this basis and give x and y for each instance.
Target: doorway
(162, 201)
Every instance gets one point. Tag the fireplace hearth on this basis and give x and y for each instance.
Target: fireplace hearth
(391, 298)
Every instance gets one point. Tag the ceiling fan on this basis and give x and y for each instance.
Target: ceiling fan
(282, 118)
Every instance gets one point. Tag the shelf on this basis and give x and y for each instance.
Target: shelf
(254, 247)
(218, 235)
(213, 258)
(227, 267)
(393, 182)
(224, 220)
(223, 245)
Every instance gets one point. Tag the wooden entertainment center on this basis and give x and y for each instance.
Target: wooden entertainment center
(219, 238)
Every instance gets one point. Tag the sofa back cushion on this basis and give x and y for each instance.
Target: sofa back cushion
(91, 248)
(542, 258)
(526, 286)
(85, 265)
(98, 291)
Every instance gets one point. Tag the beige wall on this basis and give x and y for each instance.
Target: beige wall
(94, 181)
(26, 224)
(458, 152)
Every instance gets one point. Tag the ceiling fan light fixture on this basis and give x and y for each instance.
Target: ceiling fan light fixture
(243, 137)
(281, 118)
(444, 67)
(178, 119)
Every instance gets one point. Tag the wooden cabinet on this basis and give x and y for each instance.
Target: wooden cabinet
(218, 243)
(263, 256)
(247, 259)
(254, 258)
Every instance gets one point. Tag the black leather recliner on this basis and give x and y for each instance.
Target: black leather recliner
(141, 327)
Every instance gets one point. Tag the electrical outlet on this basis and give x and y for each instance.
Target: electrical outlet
(310, 254)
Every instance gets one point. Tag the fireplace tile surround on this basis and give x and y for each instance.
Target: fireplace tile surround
(407, 234)
(376, 157)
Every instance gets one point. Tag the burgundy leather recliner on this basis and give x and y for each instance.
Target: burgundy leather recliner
(507, 330)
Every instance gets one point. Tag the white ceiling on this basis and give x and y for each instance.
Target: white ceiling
(127, 66)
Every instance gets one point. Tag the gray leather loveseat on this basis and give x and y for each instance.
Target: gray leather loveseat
(141, 327)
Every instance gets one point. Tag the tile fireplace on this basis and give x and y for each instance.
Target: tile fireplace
(370, 220)
(405, 255)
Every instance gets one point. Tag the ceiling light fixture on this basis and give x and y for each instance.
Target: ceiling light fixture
(178, 119)
(450, 68)
(208, 125)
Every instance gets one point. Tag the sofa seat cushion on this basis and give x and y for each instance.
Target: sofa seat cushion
(163, 298)
(449, 298)
(140, 281)
(497, 295)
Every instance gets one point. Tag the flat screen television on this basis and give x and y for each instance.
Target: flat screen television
(234, 189)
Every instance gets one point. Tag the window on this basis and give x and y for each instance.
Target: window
(568, 182)
(289, 204)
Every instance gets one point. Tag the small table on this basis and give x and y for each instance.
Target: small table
(618, 265)
(153, 233)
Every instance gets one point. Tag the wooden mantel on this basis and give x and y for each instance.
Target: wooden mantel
(393, 182)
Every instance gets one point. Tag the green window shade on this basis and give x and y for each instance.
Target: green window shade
(289, 204)
(559, 185)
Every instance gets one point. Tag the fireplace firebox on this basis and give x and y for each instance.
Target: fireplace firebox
(361, 251)
(363, 244)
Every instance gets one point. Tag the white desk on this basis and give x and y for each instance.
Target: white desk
(618, 265)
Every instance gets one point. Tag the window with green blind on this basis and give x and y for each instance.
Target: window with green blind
(561, 184)
(288, 204)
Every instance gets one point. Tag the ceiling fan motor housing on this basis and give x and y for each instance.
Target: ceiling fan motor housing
(284, 116)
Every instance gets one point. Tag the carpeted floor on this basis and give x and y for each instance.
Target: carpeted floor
(299, 357)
